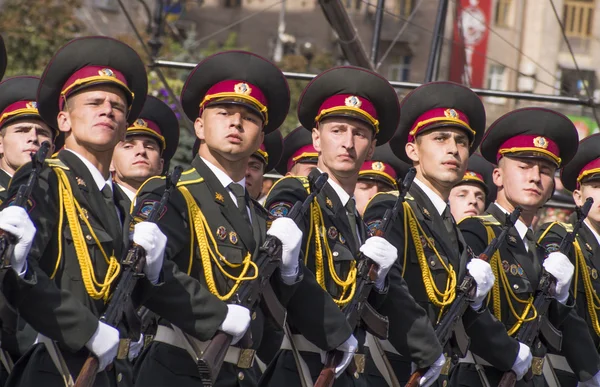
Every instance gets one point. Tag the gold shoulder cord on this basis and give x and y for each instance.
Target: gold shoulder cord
(437, 297)
(500, 274)
(209, 252)
(591, 298)
(70, 207)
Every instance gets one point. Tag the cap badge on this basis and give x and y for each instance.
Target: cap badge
(140, 122)
(106, 73)
(242, 88)
(450, 113)
(540, 142)
(378, 166)
(471, 173)
(31, 105)
(353, 101)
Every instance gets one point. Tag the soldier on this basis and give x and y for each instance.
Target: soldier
(68, 238)
(262, 161)
(149, 145)
(528, 145)
(475, 191)
(441, 124)
(580, 176)
(380, 174)
(234, 98)
(299, 157)
(349, 110)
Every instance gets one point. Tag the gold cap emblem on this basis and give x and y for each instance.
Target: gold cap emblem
(242, 88)
(471, 173)
(353, 101)
(106, 73)
(140, 122)
(540, 142)
(378, 166)
(31, 105)
(450, 113)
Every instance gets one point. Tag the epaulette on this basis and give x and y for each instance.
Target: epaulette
(57, 163)
(191, 176)
(567, 226)
(302, 179)
(486, 220)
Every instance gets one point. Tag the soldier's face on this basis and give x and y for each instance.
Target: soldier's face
(19, 139)
(95, 118)
(466, 200)
(254, 177)
(364, 191)
(137, 159)
(587, 190)
(440, 156)
(301, 169)
(233, 132)
(526, 182)
(343, 145)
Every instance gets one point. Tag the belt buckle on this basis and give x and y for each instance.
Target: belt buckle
(446, 367)
(148, 340)
(359, 361)
(246, 359)
(123, 350)
(537, 365)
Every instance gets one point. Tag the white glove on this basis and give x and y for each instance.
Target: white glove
(383, 253)
(349, 348)
(104, 344)
(286, 230)
(482, 273)
(523, 361)
(135, 347)
(153, 241)
(433, 372)
(15, 221)
(236, 322)
(593, 382)
(562, 269)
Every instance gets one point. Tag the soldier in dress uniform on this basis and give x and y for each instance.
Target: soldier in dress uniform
(149, 145)
(581, 176)
(299, 157)
(235, 98)
(441, 125)
(262, 161)
(64, 261)
(380, 174)
(349, 109)
(528, 145)
(472, 195)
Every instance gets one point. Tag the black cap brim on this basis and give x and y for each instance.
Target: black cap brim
(384, 154)
(3, 59)
(91, 51)
(295, 140)
(160, 113)
(274, 147)
(532, 121)
(486, 169)
(588, 151)
(354, 81)
(438, 95)
(243, 66)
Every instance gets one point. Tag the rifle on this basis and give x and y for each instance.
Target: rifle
(132, 266)
(545, 293)
(366, 275)
(250, 293)
(465, 292)
(7, 241)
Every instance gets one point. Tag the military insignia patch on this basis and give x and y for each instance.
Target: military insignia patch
(233, 237)
(373, 226)
(513, 269)
(505, 266)
(221, 233)
(520, 271)
(31, 105)
(106, 73)
(280, 209)
(332, 232)
(426, 212)
(80, 182)
(242, 88)
(378, 166)
(451, 113)
(146, 207)
(329, 202)
(219, 197)
(342, 239)
(512, 240)
(552, 247)
(353, 101)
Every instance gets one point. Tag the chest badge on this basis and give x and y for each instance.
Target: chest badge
(332, 232)
(221, 233)
(233, 237)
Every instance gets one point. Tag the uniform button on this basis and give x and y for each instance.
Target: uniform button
(432, 263)
(356, 375)
(88, 237)
(119, 377)
(240, 375)
(445, 383)
(335, 253)
(516, 286)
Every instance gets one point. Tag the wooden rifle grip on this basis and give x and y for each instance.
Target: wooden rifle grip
(416, 377)
(88, 372)
(509, 379)
(327, 375)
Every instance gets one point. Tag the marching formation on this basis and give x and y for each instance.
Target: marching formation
(396, 250)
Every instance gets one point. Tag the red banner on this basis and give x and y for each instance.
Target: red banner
(469, 46)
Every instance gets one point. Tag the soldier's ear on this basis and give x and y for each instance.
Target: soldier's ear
(578, 197)
(64, 121)
(497, 177)
(316, 137)
(412, 151)
(199, 128)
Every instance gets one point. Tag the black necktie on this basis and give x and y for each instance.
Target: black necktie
(240, 196)
(448, 221)
(107, 194)
(351, 211)
(529, 239)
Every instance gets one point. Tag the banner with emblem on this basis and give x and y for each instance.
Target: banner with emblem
(469, 43)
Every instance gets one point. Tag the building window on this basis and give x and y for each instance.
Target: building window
(404, 8)
(399, 70)
(496, 80)
(501, 18)
(577, 18)
(573, 83)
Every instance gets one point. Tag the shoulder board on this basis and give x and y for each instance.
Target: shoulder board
(56, 163)
(302, 179)
(486, 220)
(567, 226)
(191, 176)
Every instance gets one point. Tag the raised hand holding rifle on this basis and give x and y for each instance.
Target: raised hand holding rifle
(17, 231)
(142, 259)
(466, 294)
(250, 293)
(547, 291)
(369, 273)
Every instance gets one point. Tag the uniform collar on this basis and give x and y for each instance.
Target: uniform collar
(439, 203)
(223, 178)
(596, 235)
(130, 194)
(96, 175)
(519, 225)
(342, 195)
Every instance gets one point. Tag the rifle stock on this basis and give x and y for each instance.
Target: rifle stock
(250, 293)
(327, 375)
(133, 264)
